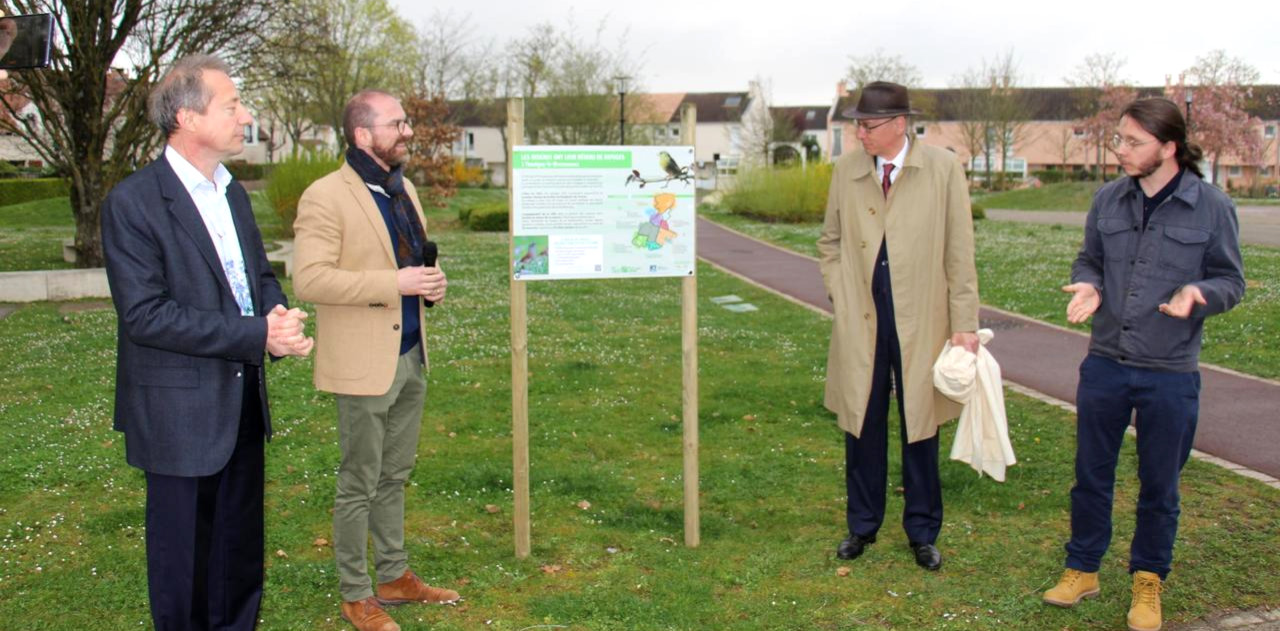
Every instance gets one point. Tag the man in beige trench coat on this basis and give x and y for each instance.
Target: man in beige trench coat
(897, 259)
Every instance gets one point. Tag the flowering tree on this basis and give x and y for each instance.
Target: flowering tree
(1220, 87)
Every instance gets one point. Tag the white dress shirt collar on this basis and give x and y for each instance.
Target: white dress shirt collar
(897, 161)
(191, 177)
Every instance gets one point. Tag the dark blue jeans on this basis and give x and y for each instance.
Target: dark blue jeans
(1167, 405)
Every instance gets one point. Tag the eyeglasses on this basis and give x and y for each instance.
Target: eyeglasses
(1118, 141)
(402, 125)
(862, 124)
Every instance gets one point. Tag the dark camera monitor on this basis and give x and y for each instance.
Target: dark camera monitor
(25, 41)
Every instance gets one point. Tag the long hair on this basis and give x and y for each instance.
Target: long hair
(1161, 118)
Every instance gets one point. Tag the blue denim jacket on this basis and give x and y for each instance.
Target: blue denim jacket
(1191, 238)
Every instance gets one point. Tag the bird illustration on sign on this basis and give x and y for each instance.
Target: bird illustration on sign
(671, 172)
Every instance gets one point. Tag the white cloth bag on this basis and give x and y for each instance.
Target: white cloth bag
(982, 437)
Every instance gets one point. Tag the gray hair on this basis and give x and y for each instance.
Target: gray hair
(183, 88)
(359, 113)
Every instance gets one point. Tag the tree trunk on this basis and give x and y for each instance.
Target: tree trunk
(86, 202)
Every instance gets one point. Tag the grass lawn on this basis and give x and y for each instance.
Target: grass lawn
(605, 409)
(31, 234)
(1022, 266)
(1058, 196)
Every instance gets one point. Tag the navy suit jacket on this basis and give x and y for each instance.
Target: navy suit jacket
(182, 344)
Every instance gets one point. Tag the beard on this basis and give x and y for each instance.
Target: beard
(1145, 169)
(394, 155)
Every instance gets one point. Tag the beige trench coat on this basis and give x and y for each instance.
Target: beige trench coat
(929, 230)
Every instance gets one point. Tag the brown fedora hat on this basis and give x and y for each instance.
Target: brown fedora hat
(881, 99)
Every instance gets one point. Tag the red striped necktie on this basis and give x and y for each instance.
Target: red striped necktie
(884, 183)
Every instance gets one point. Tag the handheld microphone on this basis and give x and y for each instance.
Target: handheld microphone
(429, 253)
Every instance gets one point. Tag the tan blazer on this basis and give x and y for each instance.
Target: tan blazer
(343, 263)
(929, 231)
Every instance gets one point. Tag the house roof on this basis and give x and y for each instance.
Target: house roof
(805, 117)
(1052, 104)
(661, 107)
(716, 107)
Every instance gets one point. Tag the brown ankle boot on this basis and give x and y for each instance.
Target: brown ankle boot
(368, 615)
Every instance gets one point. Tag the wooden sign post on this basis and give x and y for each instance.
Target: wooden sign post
(520, 355)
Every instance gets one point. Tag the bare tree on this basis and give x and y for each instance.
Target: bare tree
(444, 48)
(1010, 111)
(879, 66)
(971, 108)
(568, 82)
(92, 123)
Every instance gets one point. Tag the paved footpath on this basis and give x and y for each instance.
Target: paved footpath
(1259, 225)
(1238, 418)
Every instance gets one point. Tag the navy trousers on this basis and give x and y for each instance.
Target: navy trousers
(204, 537)
(866, 456)
(1167, 405)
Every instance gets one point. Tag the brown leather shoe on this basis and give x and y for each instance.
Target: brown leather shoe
(368, 615)
(410, 589)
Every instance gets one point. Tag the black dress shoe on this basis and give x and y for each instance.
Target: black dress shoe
(852, 547)
(927, 555)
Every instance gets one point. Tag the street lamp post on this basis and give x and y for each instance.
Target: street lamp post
(1188, 96)
(622, 107)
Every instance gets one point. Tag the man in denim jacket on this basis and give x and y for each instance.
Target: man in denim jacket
(1161, 253)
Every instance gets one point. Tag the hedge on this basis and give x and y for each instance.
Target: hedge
(17, 191)
(246, 172)
(491, 217)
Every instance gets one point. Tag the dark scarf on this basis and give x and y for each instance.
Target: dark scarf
(409, 233)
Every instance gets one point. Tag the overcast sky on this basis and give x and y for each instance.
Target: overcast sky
(802, 46)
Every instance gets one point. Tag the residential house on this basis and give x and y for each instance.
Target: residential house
(1051, 137)
(810, 121)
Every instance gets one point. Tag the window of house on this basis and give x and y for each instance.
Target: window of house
(1235, 171)
(733, 101)
(727, 165)
(837, 141)
(810, 115)
(920, 131)
(250, 137)
(1269, 131)
(1266, 171)
(1078, 132)
(674, 132)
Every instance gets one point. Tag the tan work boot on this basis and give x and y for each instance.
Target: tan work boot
(1073, 587)
(1144, 613)
(368, 615)
(410, 589)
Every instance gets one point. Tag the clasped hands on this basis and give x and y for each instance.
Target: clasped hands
(285, 333)
(428, 282)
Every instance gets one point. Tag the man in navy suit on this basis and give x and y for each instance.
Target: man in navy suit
(198, 308)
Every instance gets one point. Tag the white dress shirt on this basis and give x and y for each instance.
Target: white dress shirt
(210, 198)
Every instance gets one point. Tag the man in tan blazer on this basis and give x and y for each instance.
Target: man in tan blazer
(897, 259)
(362, 258)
